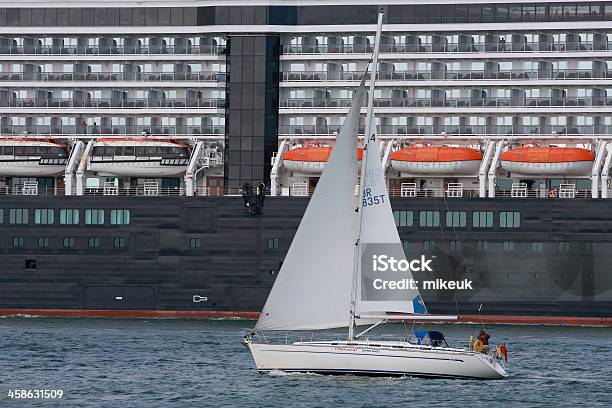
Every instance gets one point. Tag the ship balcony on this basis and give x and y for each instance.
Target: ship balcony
(417, 131)
(540, 102)
(114, 76)
(450, 47)
(87, 50)
(108, 130)
(514, 74)
(119, 103)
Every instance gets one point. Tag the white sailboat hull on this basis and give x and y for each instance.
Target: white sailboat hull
(375, 359)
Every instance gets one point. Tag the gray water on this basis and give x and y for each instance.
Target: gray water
(201, 363)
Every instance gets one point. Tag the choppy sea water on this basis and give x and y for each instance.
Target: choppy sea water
(201, 363)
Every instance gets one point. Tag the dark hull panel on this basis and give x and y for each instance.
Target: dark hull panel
(209, 254)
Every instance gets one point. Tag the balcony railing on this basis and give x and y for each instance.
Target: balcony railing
(303, 76)
(109, 103)
(113, 50)
(458, 130)
(451, 102)
(153, 130)
(421, 47)
(113, 76)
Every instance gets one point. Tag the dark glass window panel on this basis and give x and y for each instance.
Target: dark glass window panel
(475, 13)
(583, 12)
(101, 16)
(529, 13)
(125, 16)
(514, 14)
(139, 16)
(434, 15)
(163, 16)
(75, 17)
(569, 11)
(248, 15)
(541, 13)
(501, 13)
(596, 11)
(152, 16)
(25, 17)
(63, 17)
(488, 14)
(448, 13)
(222, 15)
(260, 16)
(3, 17)
(556, 12)
(461, 13)
(408, 13)
(12, 17)
(113, 16)
(190, 16)
(282, 15)
(176, 16)
(608, 12)
(235, 15)
(88, 17)
(38, 17)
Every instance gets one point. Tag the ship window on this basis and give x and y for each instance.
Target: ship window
(537, 246)
(482, 246)
(429, 245)
(43, 242)
(1, 215)
(482, 219)
(509, 219)
(18, 216)
(94, 217)
(44, 216)
(455, 245)
(195, 243)
(17, 242)
(455, 218)
(68, 242)
(119, 242)
(403, 218)
(587, 248)
(272, 243)
(564, 246)
(429, 218)
(120, 217)
(509, 246)
(93, 242)
(69, 216)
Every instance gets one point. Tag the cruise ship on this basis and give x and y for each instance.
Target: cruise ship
(130, 132)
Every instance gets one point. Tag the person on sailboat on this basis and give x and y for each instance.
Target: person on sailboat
(482, 342)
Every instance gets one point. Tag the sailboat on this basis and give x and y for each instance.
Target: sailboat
(328, 279)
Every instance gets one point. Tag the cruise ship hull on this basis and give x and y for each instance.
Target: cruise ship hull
(228, 271)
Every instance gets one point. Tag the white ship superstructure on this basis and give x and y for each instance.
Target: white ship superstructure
(240, 84)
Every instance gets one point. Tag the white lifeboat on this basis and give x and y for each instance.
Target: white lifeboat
(548, 160)
(309, 159)
(422, 159)
(25, 157)
(138, 157)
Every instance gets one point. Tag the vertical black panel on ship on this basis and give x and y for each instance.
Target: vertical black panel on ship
(252, 113)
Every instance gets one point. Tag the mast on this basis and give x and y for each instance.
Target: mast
(369, 114)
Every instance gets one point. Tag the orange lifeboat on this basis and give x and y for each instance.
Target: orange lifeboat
(423, 159)
(548, 160)
(310, 159)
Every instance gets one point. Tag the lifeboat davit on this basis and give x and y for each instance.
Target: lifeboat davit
(422, 159)
(26, 157)
(310, 159)
(138, 157)
(549, 160)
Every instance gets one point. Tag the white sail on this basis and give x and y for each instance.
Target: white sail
(379, 236)
(313, 287)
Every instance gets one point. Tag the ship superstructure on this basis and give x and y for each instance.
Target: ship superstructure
(486, 112)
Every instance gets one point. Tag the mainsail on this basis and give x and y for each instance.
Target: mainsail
(313, 287)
